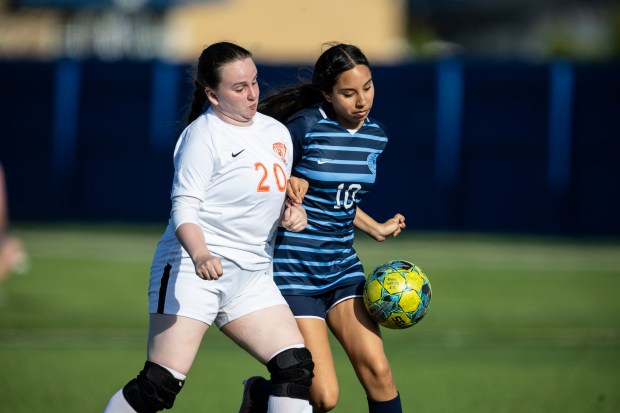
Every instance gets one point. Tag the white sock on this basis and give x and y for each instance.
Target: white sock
(288, 405)
(118, 404)
(175, 373)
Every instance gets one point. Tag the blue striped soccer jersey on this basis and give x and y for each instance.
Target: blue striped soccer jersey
(340, 166)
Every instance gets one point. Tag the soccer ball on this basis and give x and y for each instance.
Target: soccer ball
(397, 294)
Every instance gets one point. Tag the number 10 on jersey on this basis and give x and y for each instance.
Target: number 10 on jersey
(346, 200)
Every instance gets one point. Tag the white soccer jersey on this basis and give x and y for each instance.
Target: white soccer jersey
(239, 174)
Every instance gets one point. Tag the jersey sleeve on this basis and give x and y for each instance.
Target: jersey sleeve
(193, 164)
(184, 210)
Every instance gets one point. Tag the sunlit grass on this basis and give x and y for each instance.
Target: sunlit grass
(516, 324)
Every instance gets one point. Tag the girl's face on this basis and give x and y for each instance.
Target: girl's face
(236, 98)
(352, 97)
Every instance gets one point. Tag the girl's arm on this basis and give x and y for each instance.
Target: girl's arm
(190, 236)
(379, 232)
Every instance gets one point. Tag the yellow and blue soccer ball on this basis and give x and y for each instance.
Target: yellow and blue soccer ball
(397, 294)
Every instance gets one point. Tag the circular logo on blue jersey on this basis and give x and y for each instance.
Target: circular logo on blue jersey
(372, 162)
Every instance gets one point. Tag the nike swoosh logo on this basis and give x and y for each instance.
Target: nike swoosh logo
(234, 155)
(322, 161)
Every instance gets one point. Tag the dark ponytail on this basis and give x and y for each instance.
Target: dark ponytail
(198, 102)
(208, 72)
(283, 104)
(338, 58)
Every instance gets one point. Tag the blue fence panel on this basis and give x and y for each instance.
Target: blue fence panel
(504, 149)
(595, 181)
(114, 142)
(27, 94)
(115, 107)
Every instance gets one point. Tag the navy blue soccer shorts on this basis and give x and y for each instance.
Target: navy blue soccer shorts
(317, 306)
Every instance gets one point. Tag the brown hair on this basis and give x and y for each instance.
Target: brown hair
(208, 72)
(330, 65)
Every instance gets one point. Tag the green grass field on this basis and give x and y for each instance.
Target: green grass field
(517, 324)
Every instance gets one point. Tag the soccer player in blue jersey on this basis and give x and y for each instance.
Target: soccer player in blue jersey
(336, 146)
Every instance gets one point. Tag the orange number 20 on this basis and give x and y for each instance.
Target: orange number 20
(278, 172)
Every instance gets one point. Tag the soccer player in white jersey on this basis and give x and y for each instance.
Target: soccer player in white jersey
(336, 146)
(213, 263)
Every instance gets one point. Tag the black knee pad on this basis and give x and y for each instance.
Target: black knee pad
(153, 390)
(291, 373)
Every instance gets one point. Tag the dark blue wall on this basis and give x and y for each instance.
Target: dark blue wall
(474, 145)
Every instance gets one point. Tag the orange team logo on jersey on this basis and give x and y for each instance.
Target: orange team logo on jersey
(280, 149)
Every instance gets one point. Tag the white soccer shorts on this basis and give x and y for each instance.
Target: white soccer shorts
(175, 289)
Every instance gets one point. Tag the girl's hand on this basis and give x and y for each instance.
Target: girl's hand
(296, 190)
(392, 226)
(294, 218)
(208, 267)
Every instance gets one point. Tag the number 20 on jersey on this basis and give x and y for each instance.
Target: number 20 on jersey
(278, 172)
